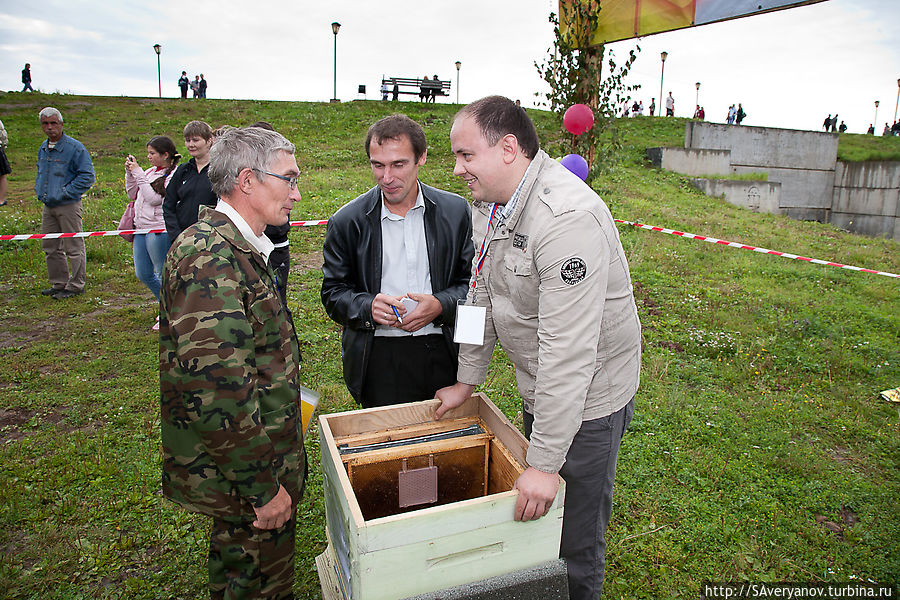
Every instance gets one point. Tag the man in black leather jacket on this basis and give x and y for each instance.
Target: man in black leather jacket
(397, 259)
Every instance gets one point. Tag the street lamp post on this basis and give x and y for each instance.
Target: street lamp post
(875, 122)
(898, 101)
(459, 64)
(157, 48)
(698, 94)
(335, 27)
(662, 74)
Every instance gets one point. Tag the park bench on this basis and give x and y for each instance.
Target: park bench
(435, 87)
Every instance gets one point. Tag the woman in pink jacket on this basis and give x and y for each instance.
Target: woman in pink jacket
(148, 188)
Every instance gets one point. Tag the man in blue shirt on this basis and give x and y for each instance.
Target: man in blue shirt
(64, 173)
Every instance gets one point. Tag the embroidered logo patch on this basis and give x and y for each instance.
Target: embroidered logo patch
(573, 271)
(520, 241)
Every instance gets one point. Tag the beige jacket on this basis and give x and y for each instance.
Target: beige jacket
(559, 300)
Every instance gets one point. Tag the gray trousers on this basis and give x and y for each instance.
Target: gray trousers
(64, 275)
(589, 472)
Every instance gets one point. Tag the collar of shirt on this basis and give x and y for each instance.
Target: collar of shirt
(387, 214)
(262, 244)
(59, 142)
(510, 207)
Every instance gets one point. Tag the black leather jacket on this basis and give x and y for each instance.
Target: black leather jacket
(352, 269)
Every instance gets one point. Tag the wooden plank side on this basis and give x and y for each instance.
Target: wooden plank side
(502, 429)
(329, 580)
(504, 469)
(406, 432)
(398, 452)
(398, 415)
(333, 470)
(442, 562)
(449, 519)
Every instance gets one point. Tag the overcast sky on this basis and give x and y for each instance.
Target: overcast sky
(789, 69)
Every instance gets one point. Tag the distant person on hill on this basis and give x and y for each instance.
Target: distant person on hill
(843, 127)
(183, 83)
(740, 114)
(148, 189)
(827, 124)
(697, 112)
(5, 169)
(434, 89)
(189, 186)
(731, 114)
(64, 173)
(280, 257)
(195, 86)
(834, 123)
(895, 128)
(887, 130)
(202, 85)
(871, 130)
(384, 91)
(395, 92)
(26, 78)
(670, 106)
(423, 89)
(652, 106)
(702, 114)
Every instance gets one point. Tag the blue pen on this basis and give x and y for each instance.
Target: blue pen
(399, 318)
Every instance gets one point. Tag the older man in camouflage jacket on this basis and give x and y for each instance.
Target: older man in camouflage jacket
(229, 367)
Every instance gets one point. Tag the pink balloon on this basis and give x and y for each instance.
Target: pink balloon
(578, 119)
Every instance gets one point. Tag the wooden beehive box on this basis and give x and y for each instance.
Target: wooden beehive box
(383, 552)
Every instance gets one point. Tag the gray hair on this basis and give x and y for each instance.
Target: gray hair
(50, 112)
(244, 148)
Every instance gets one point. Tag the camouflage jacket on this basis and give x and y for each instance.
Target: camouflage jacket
(229, 368)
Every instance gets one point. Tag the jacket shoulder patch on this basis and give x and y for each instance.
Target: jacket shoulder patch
(573, 271)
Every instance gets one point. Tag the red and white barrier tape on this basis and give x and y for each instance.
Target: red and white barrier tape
(84, 234)
(712, 240)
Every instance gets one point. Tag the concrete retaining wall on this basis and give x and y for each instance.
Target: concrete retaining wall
(758, 196)
(691, 161)
(766, 146)
(801, 161)
(866, 198)
(805, 181)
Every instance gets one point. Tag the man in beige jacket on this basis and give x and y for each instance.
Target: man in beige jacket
(555, 284)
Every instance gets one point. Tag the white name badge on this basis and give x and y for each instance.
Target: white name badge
(470, 325)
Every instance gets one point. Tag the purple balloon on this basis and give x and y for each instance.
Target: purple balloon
(576, 164)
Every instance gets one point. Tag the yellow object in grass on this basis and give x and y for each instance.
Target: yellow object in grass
(309, 400)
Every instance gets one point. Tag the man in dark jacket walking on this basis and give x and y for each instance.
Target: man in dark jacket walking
(183, 83)
(26, 78)
(397, 259)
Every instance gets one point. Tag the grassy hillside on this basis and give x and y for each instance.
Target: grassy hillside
(759, 450)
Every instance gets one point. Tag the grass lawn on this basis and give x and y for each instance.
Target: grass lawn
(760, 449)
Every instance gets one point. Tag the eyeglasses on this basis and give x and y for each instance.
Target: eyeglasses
(292, 181)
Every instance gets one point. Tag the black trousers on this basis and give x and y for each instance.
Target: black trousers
(407, 369)
(589, 472)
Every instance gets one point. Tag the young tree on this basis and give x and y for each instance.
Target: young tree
(574, 71)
